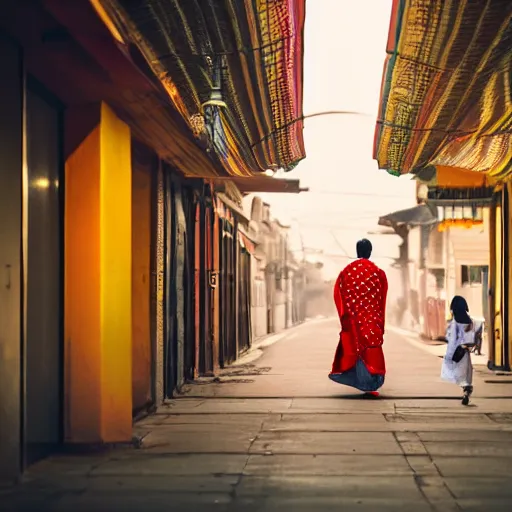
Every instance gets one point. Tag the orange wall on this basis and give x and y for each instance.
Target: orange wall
(98, 323)
(141, 274)
(82, 290)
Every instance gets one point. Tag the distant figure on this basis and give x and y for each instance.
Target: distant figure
(462, 335)
(360, 295)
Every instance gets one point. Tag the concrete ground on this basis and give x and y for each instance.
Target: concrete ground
(277, 434)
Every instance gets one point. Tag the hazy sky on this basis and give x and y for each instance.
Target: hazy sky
(345, 43)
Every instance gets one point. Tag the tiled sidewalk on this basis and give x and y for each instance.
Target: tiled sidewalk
(278, 435)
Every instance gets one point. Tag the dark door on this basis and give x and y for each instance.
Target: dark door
(11, 164)
(243, 300)
(43, 276)
(223, 354)
(143, 258)
(202, 296)
(170, 298)
(189, 207)
(228, 306)
(208, 292)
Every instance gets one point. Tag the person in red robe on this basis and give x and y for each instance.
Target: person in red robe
(360, 295)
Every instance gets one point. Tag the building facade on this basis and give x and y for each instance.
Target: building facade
(277, 276)
(439, 259)
(111, 241)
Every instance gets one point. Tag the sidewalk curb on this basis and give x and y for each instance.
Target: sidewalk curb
(434, 350)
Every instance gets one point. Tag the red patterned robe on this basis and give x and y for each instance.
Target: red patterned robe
(360, 296)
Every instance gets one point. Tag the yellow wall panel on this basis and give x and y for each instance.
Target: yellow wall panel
(98, 327)
(116, 271)
(508, 269)
(498, 328)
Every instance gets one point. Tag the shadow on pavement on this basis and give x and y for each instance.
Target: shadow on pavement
(390, 397)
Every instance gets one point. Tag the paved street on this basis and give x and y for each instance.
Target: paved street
(276, 434)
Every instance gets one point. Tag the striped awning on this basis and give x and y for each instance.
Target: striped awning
(446, 91)
(233, 69)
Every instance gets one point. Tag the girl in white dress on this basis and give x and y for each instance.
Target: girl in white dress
(460, 334)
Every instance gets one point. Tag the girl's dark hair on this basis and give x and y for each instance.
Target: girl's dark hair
(460, 309)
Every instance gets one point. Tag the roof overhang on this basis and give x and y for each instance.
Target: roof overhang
(70, 50)
(213, 59)
(265, 184)
(461, 197)
(421, 215)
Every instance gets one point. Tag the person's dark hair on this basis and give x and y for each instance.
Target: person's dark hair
(364, 249)
(460, 309)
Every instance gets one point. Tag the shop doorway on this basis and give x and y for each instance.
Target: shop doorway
(43, 275)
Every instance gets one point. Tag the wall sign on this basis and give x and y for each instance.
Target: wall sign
(212, 279)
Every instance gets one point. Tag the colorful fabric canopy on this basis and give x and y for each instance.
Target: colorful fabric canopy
(233, 68)
(446, 91)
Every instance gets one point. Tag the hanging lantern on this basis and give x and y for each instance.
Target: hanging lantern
(198, 125)
(212, 108)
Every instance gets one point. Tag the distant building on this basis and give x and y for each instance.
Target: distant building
(276, 288)
(439, 257)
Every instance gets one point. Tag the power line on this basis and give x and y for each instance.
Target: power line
(338, 243)
(346, 214)
(337, 227)
(343, 214)
(361, 194)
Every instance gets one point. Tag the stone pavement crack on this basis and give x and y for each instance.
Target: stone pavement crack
(241, 474)
(415, 454)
